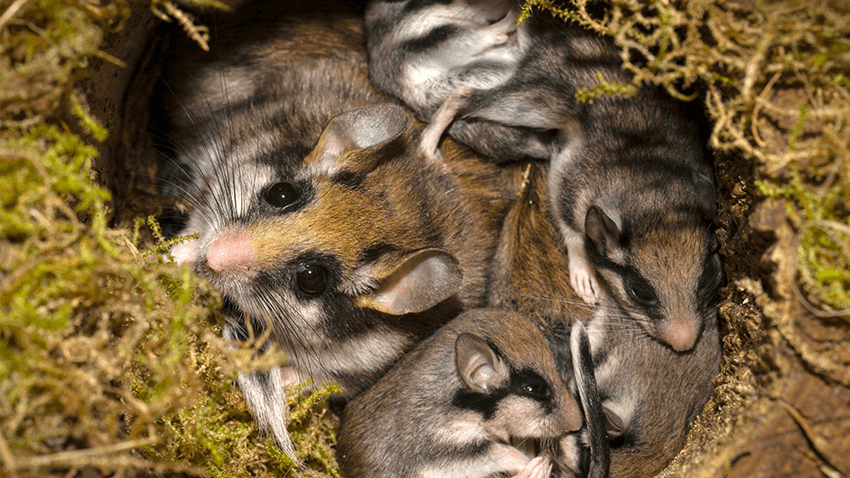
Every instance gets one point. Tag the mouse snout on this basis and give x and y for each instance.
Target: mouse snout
(681, 332)
(229, 252)
(573, 419)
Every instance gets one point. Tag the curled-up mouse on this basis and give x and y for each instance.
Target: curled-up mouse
(631, 188)
(316, 217)
(473, 400)
(648, 392)
(433, 55)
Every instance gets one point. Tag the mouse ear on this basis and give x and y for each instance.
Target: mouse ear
(478, 365)
(416, 283)
(358, 140)
(601, 232)
(614, 424)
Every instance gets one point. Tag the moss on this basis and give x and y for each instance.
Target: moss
(111, 357)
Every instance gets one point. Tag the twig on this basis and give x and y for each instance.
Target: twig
(759, 100)
(11, 11)
(823, 449)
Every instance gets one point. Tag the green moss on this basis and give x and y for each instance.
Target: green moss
(110, 357)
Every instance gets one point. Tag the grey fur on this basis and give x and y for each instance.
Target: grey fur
(421, 418)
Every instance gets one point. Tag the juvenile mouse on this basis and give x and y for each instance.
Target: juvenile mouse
(316, 217)
(630, 188)
(431, 55)
(649, 393)
(465, 403)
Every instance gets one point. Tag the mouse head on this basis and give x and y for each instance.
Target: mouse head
(663, 272)
(510, 376)
(649, 392)
(329, 244)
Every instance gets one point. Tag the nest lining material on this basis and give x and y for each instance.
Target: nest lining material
(111, 362)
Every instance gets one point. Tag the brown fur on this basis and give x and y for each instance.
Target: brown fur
(246, 117)
(633, 371)
(529, 269)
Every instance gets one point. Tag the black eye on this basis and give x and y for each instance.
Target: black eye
(312, 279)
(281, 194)
(535, 387)
(642, 292)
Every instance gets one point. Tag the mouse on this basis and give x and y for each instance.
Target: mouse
(315, 217)
(470, 401)
(631, 185)
(647, 392)
(529, 274)
(432, 55)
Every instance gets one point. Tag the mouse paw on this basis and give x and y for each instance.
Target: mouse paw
(539, 467)
(185, 252)
(583, 279)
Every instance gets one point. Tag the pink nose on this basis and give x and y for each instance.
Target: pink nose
(681, 334)
(228, 252)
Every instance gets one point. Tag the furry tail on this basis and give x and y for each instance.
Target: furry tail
(589, 394)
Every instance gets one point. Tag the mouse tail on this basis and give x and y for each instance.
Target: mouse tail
(589, 394)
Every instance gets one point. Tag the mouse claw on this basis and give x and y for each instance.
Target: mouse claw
(539, 467)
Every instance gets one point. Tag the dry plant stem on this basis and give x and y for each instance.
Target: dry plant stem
(762, 98)
(197, 33)
(820, 446)
(784, 322)
(11, 11)
(6, 455)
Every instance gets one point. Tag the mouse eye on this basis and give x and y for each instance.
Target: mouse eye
(535, 387)
(281, 194)
(312, 279)
(641, 292)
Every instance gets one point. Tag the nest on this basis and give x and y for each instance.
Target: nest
(111, 361)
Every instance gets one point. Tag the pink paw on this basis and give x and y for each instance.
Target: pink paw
(583, 279)
(539, 467)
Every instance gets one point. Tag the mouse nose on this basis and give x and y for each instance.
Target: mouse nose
(681, 333)
(228, 252)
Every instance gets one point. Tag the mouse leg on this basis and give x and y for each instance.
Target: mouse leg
(185, 252)
(440, 121)
(539, 467)
(582, 275)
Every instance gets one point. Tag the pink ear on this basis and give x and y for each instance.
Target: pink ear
(601, 231)
(362, 128)
(418, 282)
(478, 365)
